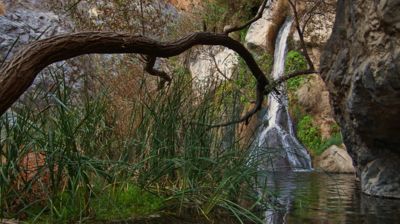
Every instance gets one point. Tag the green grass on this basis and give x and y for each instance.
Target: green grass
(168, 161)
(295, 61)
(124, 202)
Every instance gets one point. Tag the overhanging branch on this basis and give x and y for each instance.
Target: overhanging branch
(17, 75)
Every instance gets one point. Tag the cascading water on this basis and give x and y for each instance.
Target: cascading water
(276, 144)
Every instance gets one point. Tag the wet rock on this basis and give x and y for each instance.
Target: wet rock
(361, 66)
(381, 177)
(335, 160)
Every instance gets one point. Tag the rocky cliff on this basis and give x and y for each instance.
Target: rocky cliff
(361, 66)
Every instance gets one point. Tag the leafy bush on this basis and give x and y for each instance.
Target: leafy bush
(310, 136)
(295, 61)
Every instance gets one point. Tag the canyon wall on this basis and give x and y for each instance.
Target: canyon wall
(361, 67)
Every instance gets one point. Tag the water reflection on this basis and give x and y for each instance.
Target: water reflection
(312, 197)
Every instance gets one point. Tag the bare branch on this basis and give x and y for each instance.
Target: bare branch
(150, 62)
(246, 118)
(248, 23)
(17, 75)
(260, 98)
(285, 78)
(217, 67)
(301, 35)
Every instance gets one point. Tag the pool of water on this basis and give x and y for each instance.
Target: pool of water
(313, 197)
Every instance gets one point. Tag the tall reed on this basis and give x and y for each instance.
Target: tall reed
(98, 144)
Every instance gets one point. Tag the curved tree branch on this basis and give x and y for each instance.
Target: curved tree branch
(17, 75)
(150, 62)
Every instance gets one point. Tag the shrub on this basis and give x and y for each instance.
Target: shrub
(308, 133)
(295, 61)
(310, 136)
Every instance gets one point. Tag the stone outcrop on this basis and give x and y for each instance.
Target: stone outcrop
(185, 4)
(313, 95)
(262, 33)
(361, 66)
(211, 64)
(313, 98)
(335, 160)
(24, 25)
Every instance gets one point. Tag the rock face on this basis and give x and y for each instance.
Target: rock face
(184, 4)
(24, 25)
(262, 33)
(335, 160)
(211, 64)
(361, 66)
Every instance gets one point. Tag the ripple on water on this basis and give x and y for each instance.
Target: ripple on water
(312, 197)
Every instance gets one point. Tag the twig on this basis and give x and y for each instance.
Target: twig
(301, 35)
(248, 23)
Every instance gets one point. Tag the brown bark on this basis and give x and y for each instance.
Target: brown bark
(248, 23)
(301, 34)
(17, 75)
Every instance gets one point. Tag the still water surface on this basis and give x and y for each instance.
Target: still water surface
(313, 197)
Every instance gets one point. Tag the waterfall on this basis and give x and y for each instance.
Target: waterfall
(276, 144)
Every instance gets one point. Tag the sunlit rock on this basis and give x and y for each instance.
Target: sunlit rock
(213, 64)
(335, 160)
(262, 33)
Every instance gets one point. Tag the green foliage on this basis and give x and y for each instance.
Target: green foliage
(218, 13)
(214, 13)
(124, 202)
(170, 153)
(295, 61)
(294, 83)
(244, 81)
(335, 139)
(310, 136)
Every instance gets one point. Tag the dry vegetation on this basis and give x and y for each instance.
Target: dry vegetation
(2, 8)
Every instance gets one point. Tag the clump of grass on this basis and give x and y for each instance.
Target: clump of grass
(171, 158)
(121, 202)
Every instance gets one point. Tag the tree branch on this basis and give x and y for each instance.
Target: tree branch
(17, 75)
(268, 89)
(285, 78)
(301, 35)
(150, 62)
(248, 23)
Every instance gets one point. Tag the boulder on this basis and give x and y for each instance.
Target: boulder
(335, 160)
